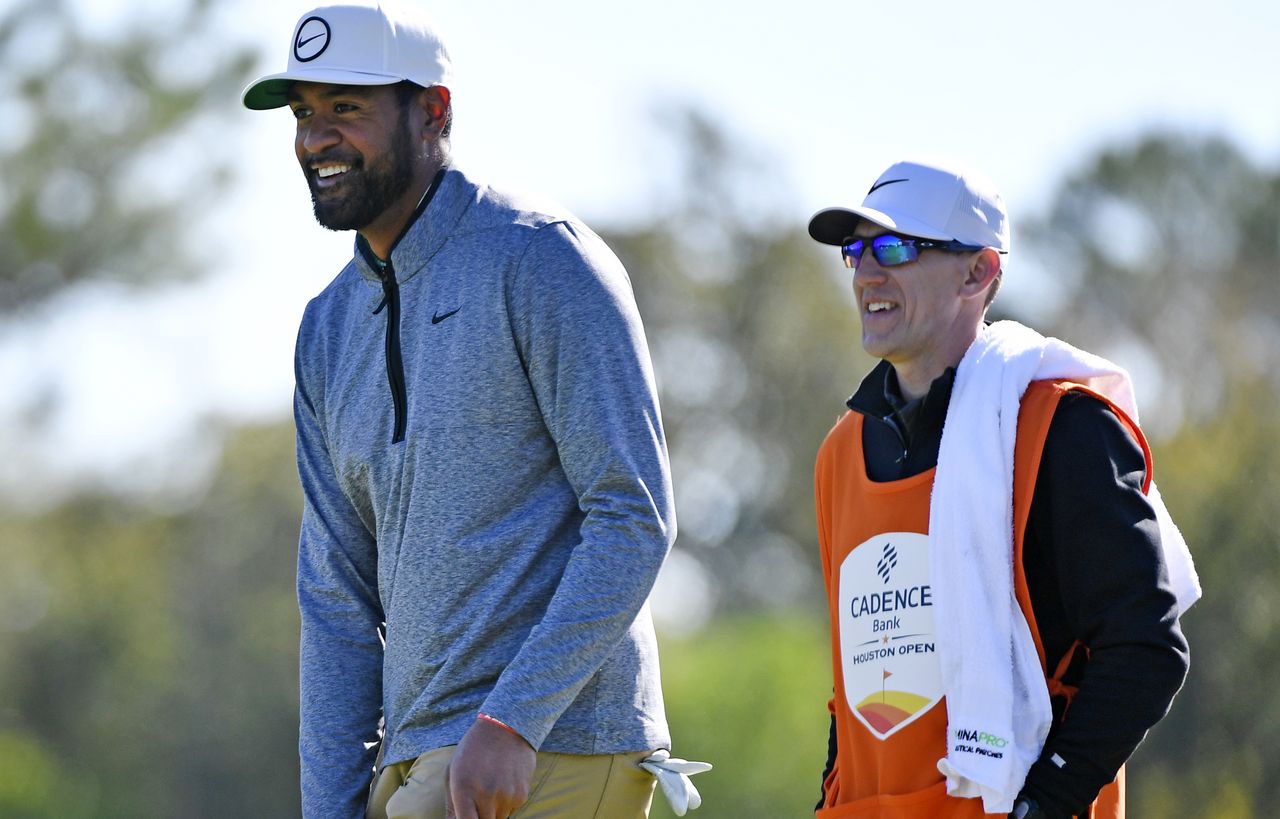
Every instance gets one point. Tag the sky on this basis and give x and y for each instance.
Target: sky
(563, 98)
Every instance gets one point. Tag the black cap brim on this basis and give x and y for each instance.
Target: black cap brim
(833, 225)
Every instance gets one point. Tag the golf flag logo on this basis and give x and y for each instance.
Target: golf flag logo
(888, 656)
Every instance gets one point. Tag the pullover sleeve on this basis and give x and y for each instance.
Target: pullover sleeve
(1097, 572)
(579, 336)
(341, 653)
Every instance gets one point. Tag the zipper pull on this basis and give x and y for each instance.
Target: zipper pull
(385, 273)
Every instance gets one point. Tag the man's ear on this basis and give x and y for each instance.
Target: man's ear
(984, 266)
(434, 102)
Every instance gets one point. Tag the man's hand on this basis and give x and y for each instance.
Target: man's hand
(490, 773)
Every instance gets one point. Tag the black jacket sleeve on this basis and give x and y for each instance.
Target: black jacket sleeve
(1096, 574)
(831, 763)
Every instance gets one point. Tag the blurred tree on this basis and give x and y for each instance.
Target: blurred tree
(755, 345)
(111, 142)
(1216, 748)
(148, 662)
(1167, 253)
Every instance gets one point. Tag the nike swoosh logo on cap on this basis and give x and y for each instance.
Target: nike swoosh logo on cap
(323, 35)
(877, 186)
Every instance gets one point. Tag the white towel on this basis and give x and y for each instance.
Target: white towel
(997, 705)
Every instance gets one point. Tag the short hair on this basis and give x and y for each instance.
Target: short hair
(994, 288)
(406, 90)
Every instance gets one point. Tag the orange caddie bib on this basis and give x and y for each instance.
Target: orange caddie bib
(889, 707)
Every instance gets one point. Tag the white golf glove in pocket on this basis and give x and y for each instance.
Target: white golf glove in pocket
(673, 776)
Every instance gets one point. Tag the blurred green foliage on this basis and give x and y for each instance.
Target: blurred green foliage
(755, 344)
(148, 661)
(1167, 251)
(1216, 749)
(112, 143)
(749, 694)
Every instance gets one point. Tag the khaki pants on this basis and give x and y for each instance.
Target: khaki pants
(565, 786)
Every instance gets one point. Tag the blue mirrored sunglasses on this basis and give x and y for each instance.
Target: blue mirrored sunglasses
(891, 250)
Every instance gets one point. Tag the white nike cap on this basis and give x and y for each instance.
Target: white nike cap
(927, 200)
(358, 43)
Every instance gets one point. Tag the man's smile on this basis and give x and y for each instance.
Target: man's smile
(332, 170)
(329, 173)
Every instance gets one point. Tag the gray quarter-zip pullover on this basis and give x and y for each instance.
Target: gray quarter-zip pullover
(508, 534)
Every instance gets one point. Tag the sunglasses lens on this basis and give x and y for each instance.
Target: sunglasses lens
(888, 249)
(893, 250)
(852, 252)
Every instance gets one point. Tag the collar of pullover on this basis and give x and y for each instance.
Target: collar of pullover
(439, 211)
(878, 396)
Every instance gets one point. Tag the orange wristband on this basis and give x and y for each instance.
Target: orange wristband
(483, 716)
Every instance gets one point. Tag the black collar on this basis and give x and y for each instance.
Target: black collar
(878, 396)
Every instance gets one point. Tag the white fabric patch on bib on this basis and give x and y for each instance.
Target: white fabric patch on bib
(887, 644)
